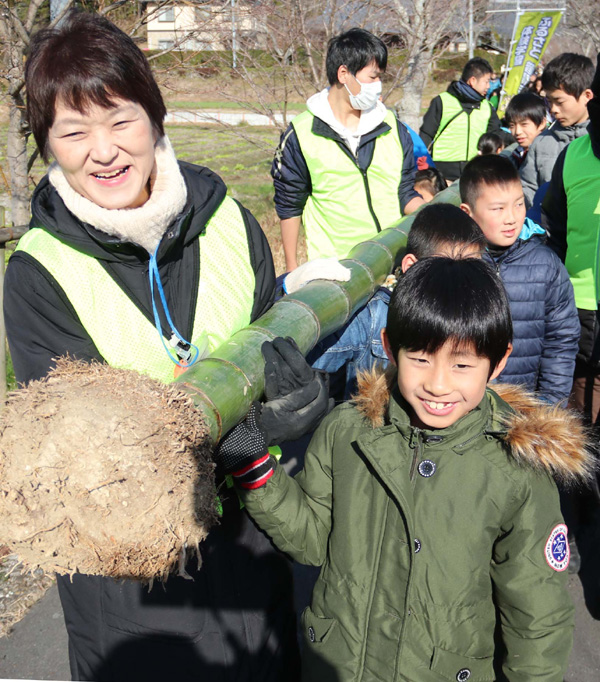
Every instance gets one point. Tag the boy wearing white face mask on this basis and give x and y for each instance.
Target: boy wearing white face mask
(345, 167)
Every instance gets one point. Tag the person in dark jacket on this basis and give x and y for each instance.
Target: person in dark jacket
(117, 222)
(563, 224)
(546, 326)
(344, 169)
(457, 118)
(570, 216)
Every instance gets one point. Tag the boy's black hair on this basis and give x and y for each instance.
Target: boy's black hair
(354, 49)
(476, 67)
(526, 105)
(506, 137)
(489, 143)
(439, 225)
(489, 170)
(570, 72)
(442, 299)
(431, 179)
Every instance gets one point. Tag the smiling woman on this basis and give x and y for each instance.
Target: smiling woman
(144, 263)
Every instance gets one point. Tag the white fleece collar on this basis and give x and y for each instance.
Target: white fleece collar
(144, 225)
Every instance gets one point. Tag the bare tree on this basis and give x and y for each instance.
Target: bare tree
(17, 23)
(295, 33)
(289, 64)
(582, 21)
(423, 28)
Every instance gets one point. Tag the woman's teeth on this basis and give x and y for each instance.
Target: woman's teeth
(111, 174)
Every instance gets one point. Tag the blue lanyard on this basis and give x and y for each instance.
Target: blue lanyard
(184, 349)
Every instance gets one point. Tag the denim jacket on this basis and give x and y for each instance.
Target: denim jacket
(357, 344)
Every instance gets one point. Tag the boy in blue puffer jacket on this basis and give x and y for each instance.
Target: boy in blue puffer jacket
(546, 325)
(545, 320)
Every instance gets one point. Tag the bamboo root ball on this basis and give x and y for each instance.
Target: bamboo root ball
(104, 472)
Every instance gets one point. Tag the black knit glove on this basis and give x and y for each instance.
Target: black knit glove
(297, 400)
(244, 452)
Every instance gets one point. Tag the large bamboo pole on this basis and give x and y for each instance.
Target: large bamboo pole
(224, 384)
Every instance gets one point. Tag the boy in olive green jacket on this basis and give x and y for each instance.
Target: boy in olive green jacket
(429, 501)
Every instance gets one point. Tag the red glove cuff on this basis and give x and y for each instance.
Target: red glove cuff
(255, 474)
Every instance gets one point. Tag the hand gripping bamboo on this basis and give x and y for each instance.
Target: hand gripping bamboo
(224, 384)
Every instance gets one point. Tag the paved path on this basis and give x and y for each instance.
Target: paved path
(37, 648)
(228, 117)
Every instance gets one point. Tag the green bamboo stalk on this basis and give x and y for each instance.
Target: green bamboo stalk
(224, 384)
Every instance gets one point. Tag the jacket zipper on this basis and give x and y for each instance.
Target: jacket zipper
(369, 202)
(354, 158)
(468, 133)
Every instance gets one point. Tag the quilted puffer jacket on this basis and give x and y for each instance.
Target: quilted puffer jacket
(545, 321)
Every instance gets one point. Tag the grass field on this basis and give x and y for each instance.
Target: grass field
(244, 164)
(221, 105)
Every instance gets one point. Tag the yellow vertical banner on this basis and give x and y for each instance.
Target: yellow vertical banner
(531, 38)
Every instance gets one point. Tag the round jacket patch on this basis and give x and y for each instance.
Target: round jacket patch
(557, 548)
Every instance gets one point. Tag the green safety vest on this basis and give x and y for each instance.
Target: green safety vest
(459, 132)
(123, 335)
(347, 206)
(581, 179)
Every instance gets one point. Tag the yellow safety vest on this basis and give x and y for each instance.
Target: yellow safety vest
(123, 335)
(347, 205)
(459, 132)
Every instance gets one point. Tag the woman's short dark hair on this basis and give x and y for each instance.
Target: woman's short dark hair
(354, 49)
(443, 299)
(86, 60)
(482, 171)
(570, 72)
(489, 143)
(476, 67)
(526, 105)
(441, 225)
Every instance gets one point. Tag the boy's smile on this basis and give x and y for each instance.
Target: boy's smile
(500, 212)
(442, 387)
(525, 131)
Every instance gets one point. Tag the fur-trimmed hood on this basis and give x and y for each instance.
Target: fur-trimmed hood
(541, 436)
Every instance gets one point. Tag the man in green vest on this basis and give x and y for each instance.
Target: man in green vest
(457, 118)
(571, 217)
(344, 168)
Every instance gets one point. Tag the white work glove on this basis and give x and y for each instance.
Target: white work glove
(319, 268)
